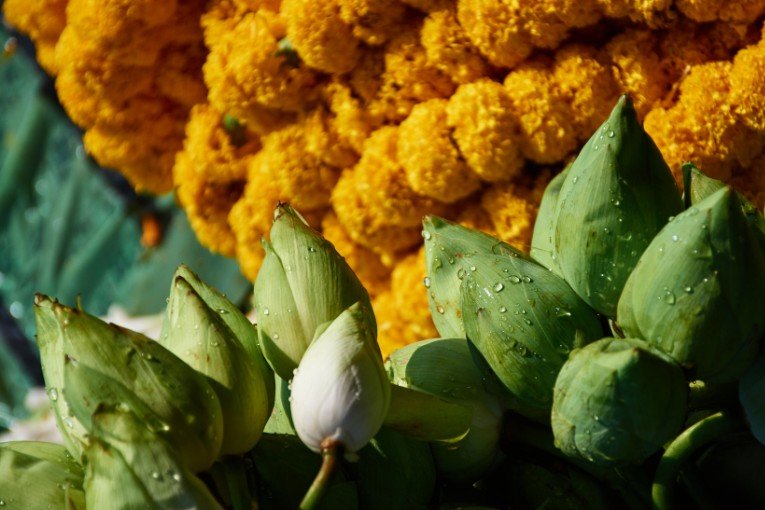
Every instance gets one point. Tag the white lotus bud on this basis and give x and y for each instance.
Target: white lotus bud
(340, 392)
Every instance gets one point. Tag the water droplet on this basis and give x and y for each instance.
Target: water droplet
(16, 309)
(155, 475)
(688, 289)
(596, 147)
(574, 179)
(675, 238)
(606, 231)
(611, 134)
(265, 311)
(693, 211)
(222, 311)
(426, 235)
(526, 279)
(276, 336)
(527, 321)
(472, 268)
(177, 477)
(440, 309)
(426, 282)
(53, 394)
(514, 279)
(2, 502)
(670, 218)
(498, 287)
(311, 249)
(68, 422)
(669, 296)
(502, 309)
(461, 273)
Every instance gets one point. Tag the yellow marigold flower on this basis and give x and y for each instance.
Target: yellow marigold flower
(638, 68)
(651, 12)
(449, 49)
(433, 165)
(429, 5)
(703, 126)
(485, 130)
(373, 21)
(219, 153)
(43, 21)
(245, 69)
(207, 204)
(747, 80)
(474, 216)
(210, 173)
(367, 265)
(408, 78)
(545, 119)
(322, 39)
(324, 141)
(302, 178)
(513, 208)
(586, 83)
(402, 312)
(507, 32)
(740, 11)
(351, 122)
(373, 200)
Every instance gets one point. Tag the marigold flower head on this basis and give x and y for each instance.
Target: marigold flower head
(43, 21)
(449, 49)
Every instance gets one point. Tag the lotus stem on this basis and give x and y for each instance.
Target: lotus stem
(331, 452)
(236, 481)
(681, 449)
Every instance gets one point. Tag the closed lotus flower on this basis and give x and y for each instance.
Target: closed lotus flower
(302, 286)
(340, 392)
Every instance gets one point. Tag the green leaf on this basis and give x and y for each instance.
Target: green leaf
(543, 238)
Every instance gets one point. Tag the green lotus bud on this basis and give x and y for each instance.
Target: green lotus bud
(427, 417)
(340, 391)
(303, 284)
(618, 194)
(450, 253)
(691, 293)
(558, 485)
(524, 320)
(394, 471)
(280, 421)
(198, 336)
(699, 186)
(543, 238)
(445, 368)
(617, 401)
(37, 476)
(751, 389)
(132, 367)
(244, 331)
(131, 467)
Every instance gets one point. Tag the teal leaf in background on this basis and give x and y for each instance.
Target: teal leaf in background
(72, 230)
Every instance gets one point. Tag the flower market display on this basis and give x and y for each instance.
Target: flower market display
(620, 365)
(367, 114)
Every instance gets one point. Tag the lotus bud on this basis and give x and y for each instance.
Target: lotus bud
(751, 389)
(35, 475)
(543, 238)
(691, 294)
(340, 391)
(450, 253)
(198, 336)
(617, 195)
(303, 284)
(427, 417)
(524, 320)
(130, 467)
(617, 401)
(244, 331)
(699, 186)
(395, 471)
(445, 368)
(109, 365)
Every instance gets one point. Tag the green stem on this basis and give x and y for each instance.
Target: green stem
(681, 449)
(331, 453)
(236, 481)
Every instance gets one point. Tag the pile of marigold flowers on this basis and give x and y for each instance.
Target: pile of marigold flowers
(368, 114)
